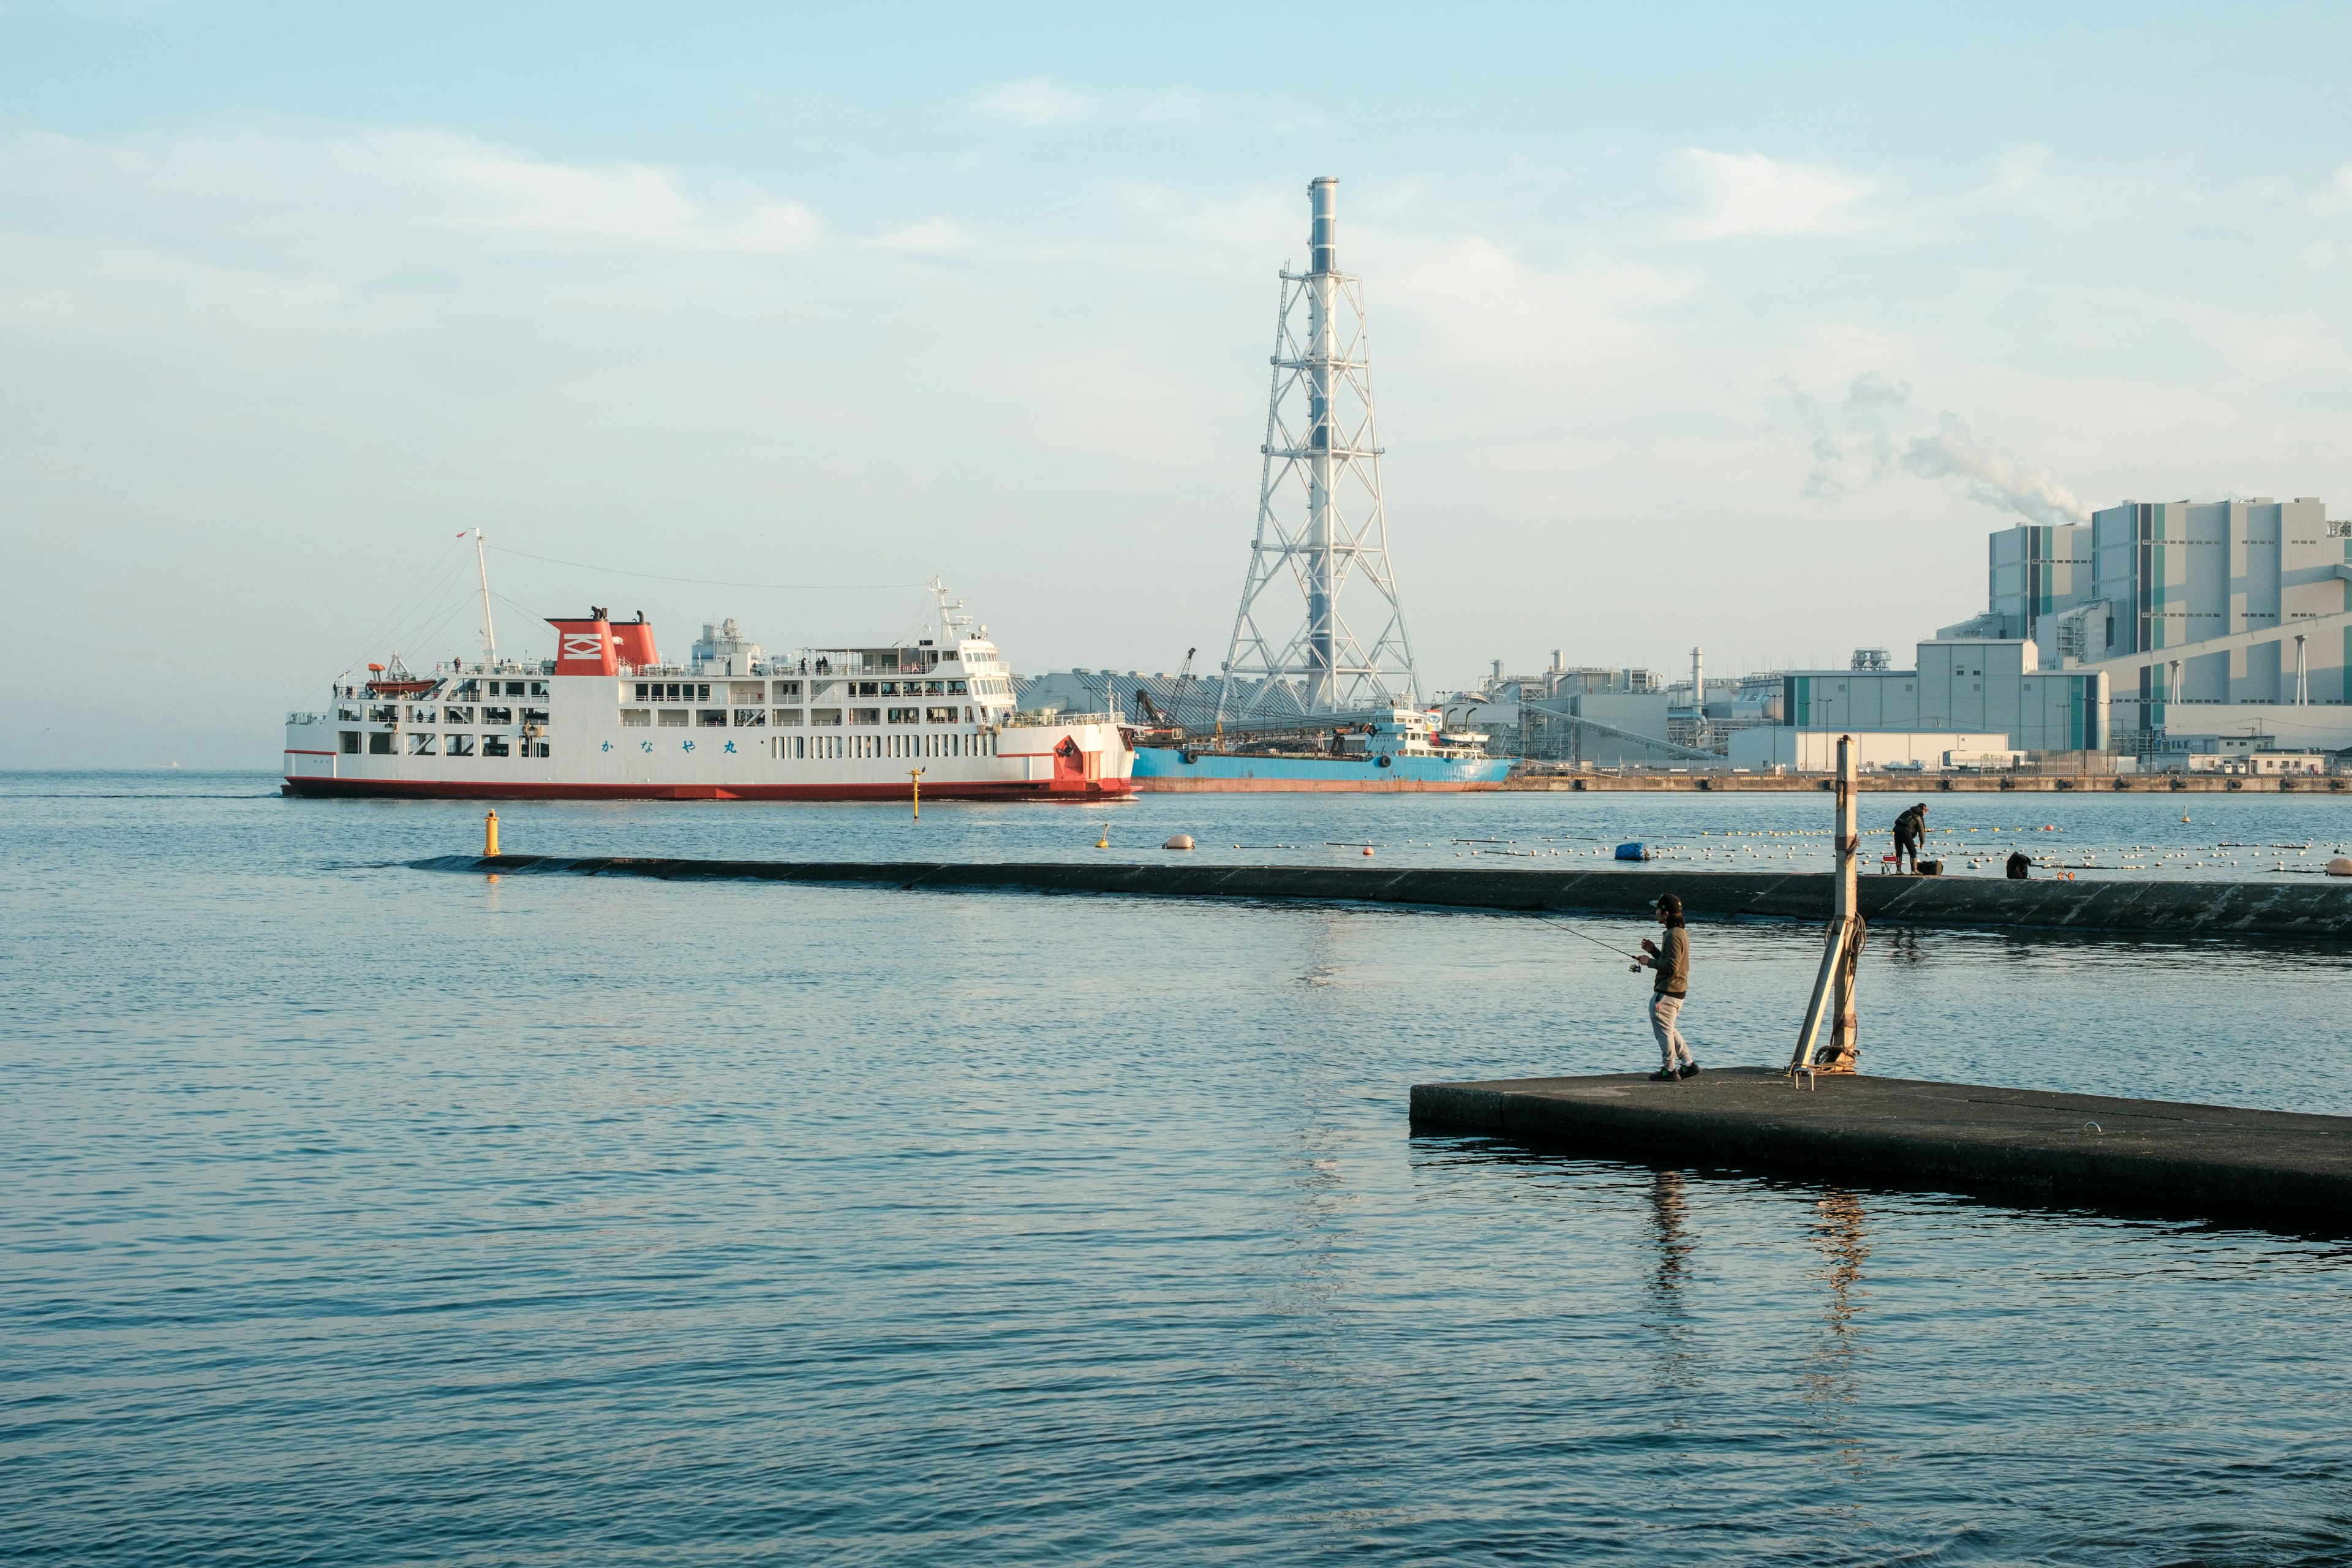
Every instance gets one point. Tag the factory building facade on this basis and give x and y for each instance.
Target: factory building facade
(1974, 685)
(2208, 619)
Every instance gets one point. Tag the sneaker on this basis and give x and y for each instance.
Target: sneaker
(1690, 1069)
(1663, 1076)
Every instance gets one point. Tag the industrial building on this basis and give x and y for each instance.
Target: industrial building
(1815, 751)
(2209, 619)
(2162, 631)
(1977, 684)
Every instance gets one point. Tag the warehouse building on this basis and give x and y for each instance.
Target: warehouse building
(1975, 686)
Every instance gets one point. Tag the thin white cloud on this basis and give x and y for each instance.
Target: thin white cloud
(1745, 195)
(432, 185)
(931, 236)
(2024, 182)
(2335, 198)
(1038, 101)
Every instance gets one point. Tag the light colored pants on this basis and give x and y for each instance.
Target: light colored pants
(1673, 1051)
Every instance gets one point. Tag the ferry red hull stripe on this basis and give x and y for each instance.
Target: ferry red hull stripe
(1160, 785)
(1073, 790)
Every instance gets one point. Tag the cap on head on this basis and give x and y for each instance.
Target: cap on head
(1669, 904)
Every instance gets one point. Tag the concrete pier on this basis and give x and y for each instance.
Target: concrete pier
(2307, 907)
(2065, 1148)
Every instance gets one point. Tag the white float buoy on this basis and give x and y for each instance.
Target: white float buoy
(1181, 841)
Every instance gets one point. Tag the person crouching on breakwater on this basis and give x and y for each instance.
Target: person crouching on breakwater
(1910, 832)
(1673, 963)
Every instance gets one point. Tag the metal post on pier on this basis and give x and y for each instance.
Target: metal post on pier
(1833, 987)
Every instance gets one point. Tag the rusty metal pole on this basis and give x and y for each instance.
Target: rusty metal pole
(1833, 986)
(1845, 1046)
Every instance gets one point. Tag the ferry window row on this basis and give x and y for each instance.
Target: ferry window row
(760, 717)
(835, 748)
(466, 690)
(423, 743)
(391, 713)
(756, 693)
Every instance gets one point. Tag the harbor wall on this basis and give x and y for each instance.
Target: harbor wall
(1926, 783)
(2311, 908)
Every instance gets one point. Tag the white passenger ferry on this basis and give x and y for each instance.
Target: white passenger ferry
(608, 719)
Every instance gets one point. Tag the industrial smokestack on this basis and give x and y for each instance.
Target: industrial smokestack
(1557, 663)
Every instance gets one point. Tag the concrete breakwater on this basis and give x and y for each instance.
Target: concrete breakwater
(2094, 1149)
(2308, 908)
(1922, 783)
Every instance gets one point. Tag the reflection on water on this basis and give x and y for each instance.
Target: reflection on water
(352, 1214)
(1672, 1244)
(1833, 1378)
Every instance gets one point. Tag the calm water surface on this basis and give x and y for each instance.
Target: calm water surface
(354, 1214)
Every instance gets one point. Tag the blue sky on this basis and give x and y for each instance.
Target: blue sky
(1690, 325)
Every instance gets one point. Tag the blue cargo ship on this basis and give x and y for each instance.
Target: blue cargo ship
(1400, 752)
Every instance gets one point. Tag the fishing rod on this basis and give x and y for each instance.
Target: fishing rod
(1593, 939)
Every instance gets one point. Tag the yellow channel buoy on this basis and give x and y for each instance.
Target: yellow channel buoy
(490, 836)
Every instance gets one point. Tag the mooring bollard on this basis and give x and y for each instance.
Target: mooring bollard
(490, 836)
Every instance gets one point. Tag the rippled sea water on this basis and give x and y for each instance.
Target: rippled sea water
(355, 1213)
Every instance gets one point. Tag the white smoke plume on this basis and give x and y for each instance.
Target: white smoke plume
(2001, 479)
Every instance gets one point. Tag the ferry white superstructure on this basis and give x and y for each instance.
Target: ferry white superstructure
(608, 720)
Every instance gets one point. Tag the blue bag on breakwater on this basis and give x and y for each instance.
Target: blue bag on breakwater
(1633, 852)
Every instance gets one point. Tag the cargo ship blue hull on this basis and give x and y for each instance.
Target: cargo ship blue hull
(1162, 769)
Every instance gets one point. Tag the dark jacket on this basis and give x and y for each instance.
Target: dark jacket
(1912, 826)
(1673, 961)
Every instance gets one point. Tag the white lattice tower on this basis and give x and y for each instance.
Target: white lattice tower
(1319, 518)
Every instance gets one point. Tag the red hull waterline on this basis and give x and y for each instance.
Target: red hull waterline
(1310, 786)
(1070, 791)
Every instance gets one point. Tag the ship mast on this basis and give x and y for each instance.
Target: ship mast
(482, 567)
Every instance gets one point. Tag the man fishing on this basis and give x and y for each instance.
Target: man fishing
(1673, 963)
(1910, 832)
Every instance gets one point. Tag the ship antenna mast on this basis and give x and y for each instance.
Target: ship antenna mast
(952, 621)
(482, 567)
